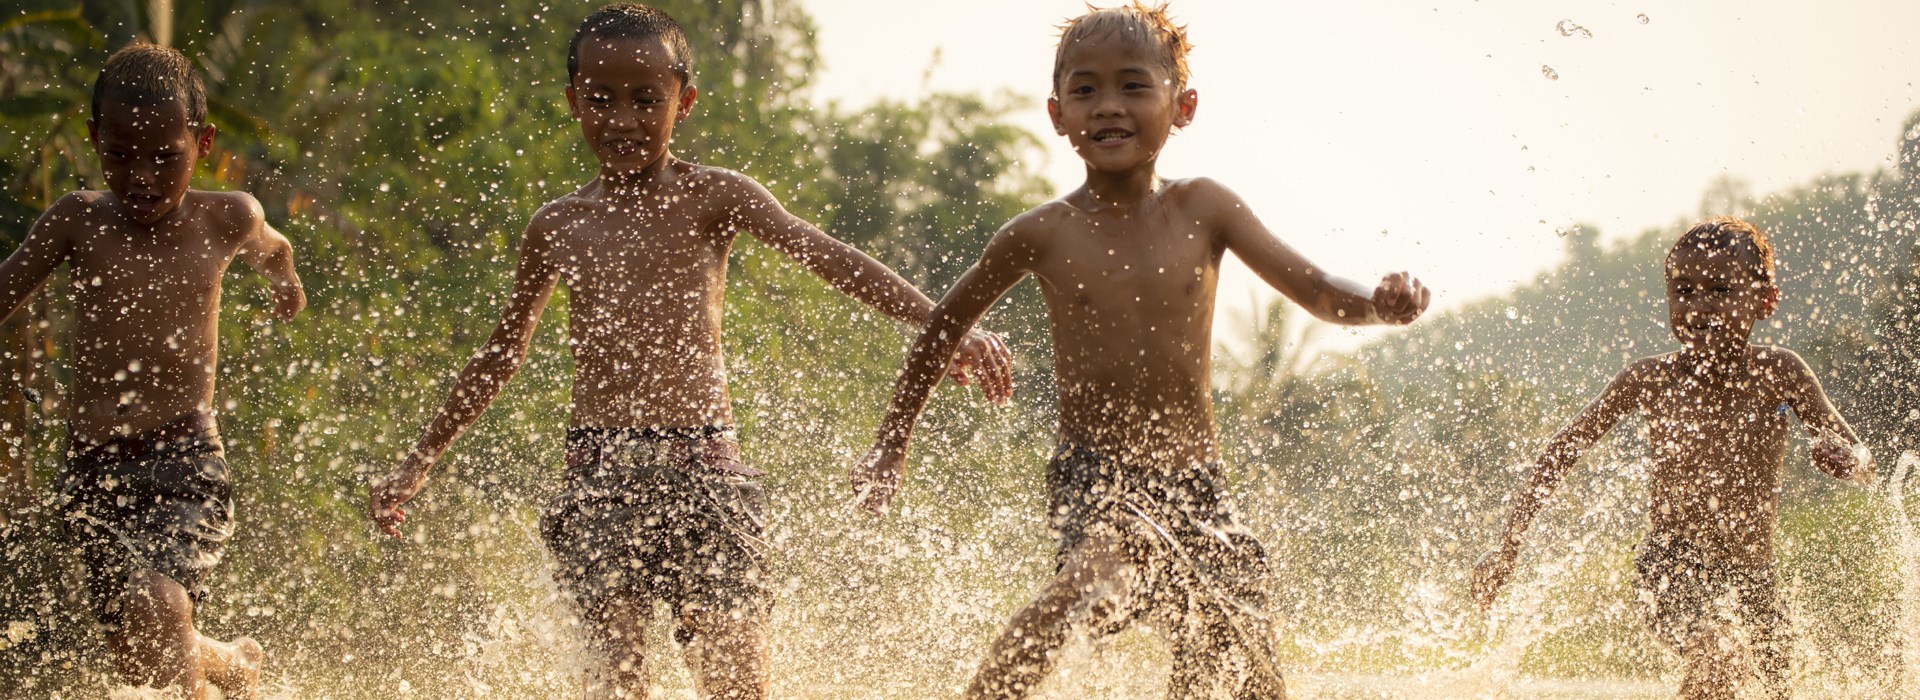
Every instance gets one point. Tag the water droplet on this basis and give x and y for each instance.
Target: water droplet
(1568, 27)
(1642, 17)
(1548, 71)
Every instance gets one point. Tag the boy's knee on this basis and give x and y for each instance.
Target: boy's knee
(718, 627)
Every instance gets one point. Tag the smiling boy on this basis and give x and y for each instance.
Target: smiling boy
(1716, 425)
(144, 494)
(1128, 263)
(657, 505)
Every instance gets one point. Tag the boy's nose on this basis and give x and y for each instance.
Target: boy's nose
(624, 119)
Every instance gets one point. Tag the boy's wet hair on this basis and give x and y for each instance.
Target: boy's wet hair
(145, 75)
(629, 20)
(1725, 233)
(1147, 23)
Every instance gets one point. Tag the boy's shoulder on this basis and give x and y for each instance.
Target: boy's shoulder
(222, 214)
(1785, 369)
(1651, 370)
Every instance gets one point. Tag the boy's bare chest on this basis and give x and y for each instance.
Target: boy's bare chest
(1745, 424)
(1131, 267)
(640, 252)
(120, 264)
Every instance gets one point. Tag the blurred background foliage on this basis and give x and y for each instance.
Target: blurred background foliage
(402, 146)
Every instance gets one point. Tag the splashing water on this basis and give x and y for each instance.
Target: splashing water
(1568, 27)
(1908, 567)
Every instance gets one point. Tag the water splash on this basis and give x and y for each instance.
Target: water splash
(1549, 72)
(1568, 27)
(1908, 566)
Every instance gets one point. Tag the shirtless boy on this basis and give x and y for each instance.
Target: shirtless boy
(144, 495)
(1128, 264)
(1716, 422)
(657, 505)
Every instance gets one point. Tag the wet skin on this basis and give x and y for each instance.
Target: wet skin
(1128, 265)
(1716, 427)
(146, 259)
(643, 251)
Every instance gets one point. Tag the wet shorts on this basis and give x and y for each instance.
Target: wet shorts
(159, 500)
(1685, 597)
(669, 515)
(1198, 571)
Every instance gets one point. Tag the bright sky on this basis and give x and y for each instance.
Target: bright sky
(1376, 135)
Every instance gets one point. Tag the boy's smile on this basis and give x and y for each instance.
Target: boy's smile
(1116, 102)
(147, 154)
(628, 99)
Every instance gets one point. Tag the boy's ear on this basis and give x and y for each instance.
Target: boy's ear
(1184, 107)
(573, 102)
(93, 134)
(1769, 301)
(204, 143)
(1053, 113)
(687, 96)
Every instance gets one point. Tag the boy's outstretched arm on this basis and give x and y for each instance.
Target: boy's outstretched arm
(1836, 449)
(1398, 299)
(492, 365)
(1008, 257)
(1621, 396)
(982, 355)
(268, 252)
(47, 244)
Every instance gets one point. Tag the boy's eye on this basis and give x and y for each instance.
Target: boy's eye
(1082, 90)
(1135, 85)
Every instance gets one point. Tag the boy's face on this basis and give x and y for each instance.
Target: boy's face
(1714, 297)
(1117, 103)
(627, 99)
(147, 154)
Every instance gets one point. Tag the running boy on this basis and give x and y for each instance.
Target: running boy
(144, 495)
(1128, 264)
(657, 505)
(1716, 422)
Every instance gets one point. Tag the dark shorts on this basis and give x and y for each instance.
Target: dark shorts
(159, 500)
(1198, 571)
(1685, 597)
(667, 515)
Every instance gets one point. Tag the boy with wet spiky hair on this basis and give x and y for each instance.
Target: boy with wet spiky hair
(1128, 263)
(1716, 424)
(144, 494)
(657, 505)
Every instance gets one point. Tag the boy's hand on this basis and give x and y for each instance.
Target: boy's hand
(877, 478)
(1400, 298)
(384, 497)
(983, 356)
(1837, 457)
(1491, 574)
(288, 300)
